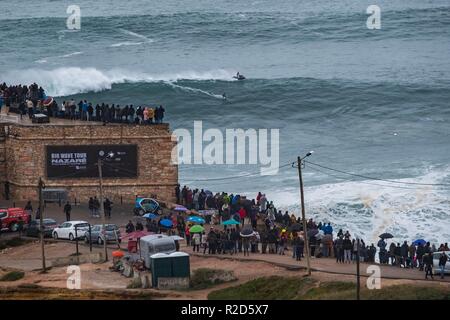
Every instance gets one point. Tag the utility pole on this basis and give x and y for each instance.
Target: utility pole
(302, 199)
(102, 208)
(358, 285)
(41, 222)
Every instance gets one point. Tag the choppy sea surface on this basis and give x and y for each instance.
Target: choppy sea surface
(369, 102)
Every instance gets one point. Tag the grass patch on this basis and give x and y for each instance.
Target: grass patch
(289, 288)
(407, 292)
(12, 276)
(40, 293)
(205, 278)
(13, 242)
(334, 290)
(266, 288)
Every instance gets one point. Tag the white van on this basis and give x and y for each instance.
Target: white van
(156, 243)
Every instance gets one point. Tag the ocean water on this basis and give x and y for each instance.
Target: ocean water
(369, 102)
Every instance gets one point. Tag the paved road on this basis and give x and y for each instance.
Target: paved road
(120, 214)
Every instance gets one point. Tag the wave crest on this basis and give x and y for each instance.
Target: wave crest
(74, 80)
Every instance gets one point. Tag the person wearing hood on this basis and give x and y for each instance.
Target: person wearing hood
(328, 229)
(382, 255)
(404, 251)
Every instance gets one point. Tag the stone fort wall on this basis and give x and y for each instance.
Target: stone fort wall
(23, 160)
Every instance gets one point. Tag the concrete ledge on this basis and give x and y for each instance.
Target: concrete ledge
(76, 260)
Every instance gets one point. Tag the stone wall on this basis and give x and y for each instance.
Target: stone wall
(24, 150)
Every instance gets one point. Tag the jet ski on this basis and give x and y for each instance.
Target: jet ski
(239, 77)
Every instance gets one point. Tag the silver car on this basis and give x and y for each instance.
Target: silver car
(97, 235)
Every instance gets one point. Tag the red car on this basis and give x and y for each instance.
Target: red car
(14, 218)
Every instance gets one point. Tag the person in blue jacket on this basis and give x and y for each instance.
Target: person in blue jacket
(328, 229)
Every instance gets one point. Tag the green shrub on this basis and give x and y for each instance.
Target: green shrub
(12, 276)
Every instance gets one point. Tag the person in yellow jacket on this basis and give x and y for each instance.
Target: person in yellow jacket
(151, 114)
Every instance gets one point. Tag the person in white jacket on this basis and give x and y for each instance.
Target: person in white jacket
(196, 239)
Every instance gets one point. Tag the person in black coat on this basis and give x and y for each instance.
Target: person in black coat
(107, 206)
(129, 228)
(67, 210)
(428, 262)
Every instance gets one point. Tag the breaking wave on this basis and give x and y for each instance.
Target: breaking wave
(74, 80)
(372, 208)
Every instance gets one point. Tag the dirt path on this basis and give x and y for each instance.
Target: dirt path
(99, 277)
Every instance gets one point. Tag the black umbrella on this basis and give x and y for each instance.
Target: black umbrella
(247, 232)
(296, 227)
(386, 235)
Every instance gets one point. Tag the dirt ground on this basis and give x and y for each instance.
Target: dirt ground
(99, 277)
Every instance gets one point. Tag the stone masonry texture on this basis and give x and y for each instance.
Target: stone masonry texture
(23, 160)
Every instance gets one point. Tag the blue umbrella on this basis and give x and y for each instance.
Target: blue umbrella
(150, 216)
(419, 241)
(230, 222)
(196, 219)
(180, 208)
(166, 223)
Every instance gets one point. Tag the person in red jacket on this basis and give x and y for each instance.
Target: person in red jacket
(242, 214)
(188, 235)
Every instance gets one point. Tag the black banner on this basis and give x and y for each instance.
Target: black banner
(81, 161)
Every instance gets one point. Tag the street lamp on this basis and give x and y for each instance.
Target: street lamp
(101, 158)
(300, 163)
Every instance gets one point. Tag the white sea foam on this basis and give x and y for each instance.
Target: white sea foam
(73, 80)
(195, 90)
(76, 53)
(126, 43)
(369, 208)
(68, 55)
(137, 35)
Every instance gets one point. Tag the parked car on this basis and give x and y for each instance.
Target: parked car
(145, 205)
(436, 256)
(97, 234)
(34, 227)
(14, 219)
(67, 230)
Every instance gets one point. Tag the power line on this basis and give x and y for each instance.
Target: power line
(247, 175)
(379, 179)
(365, 182)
